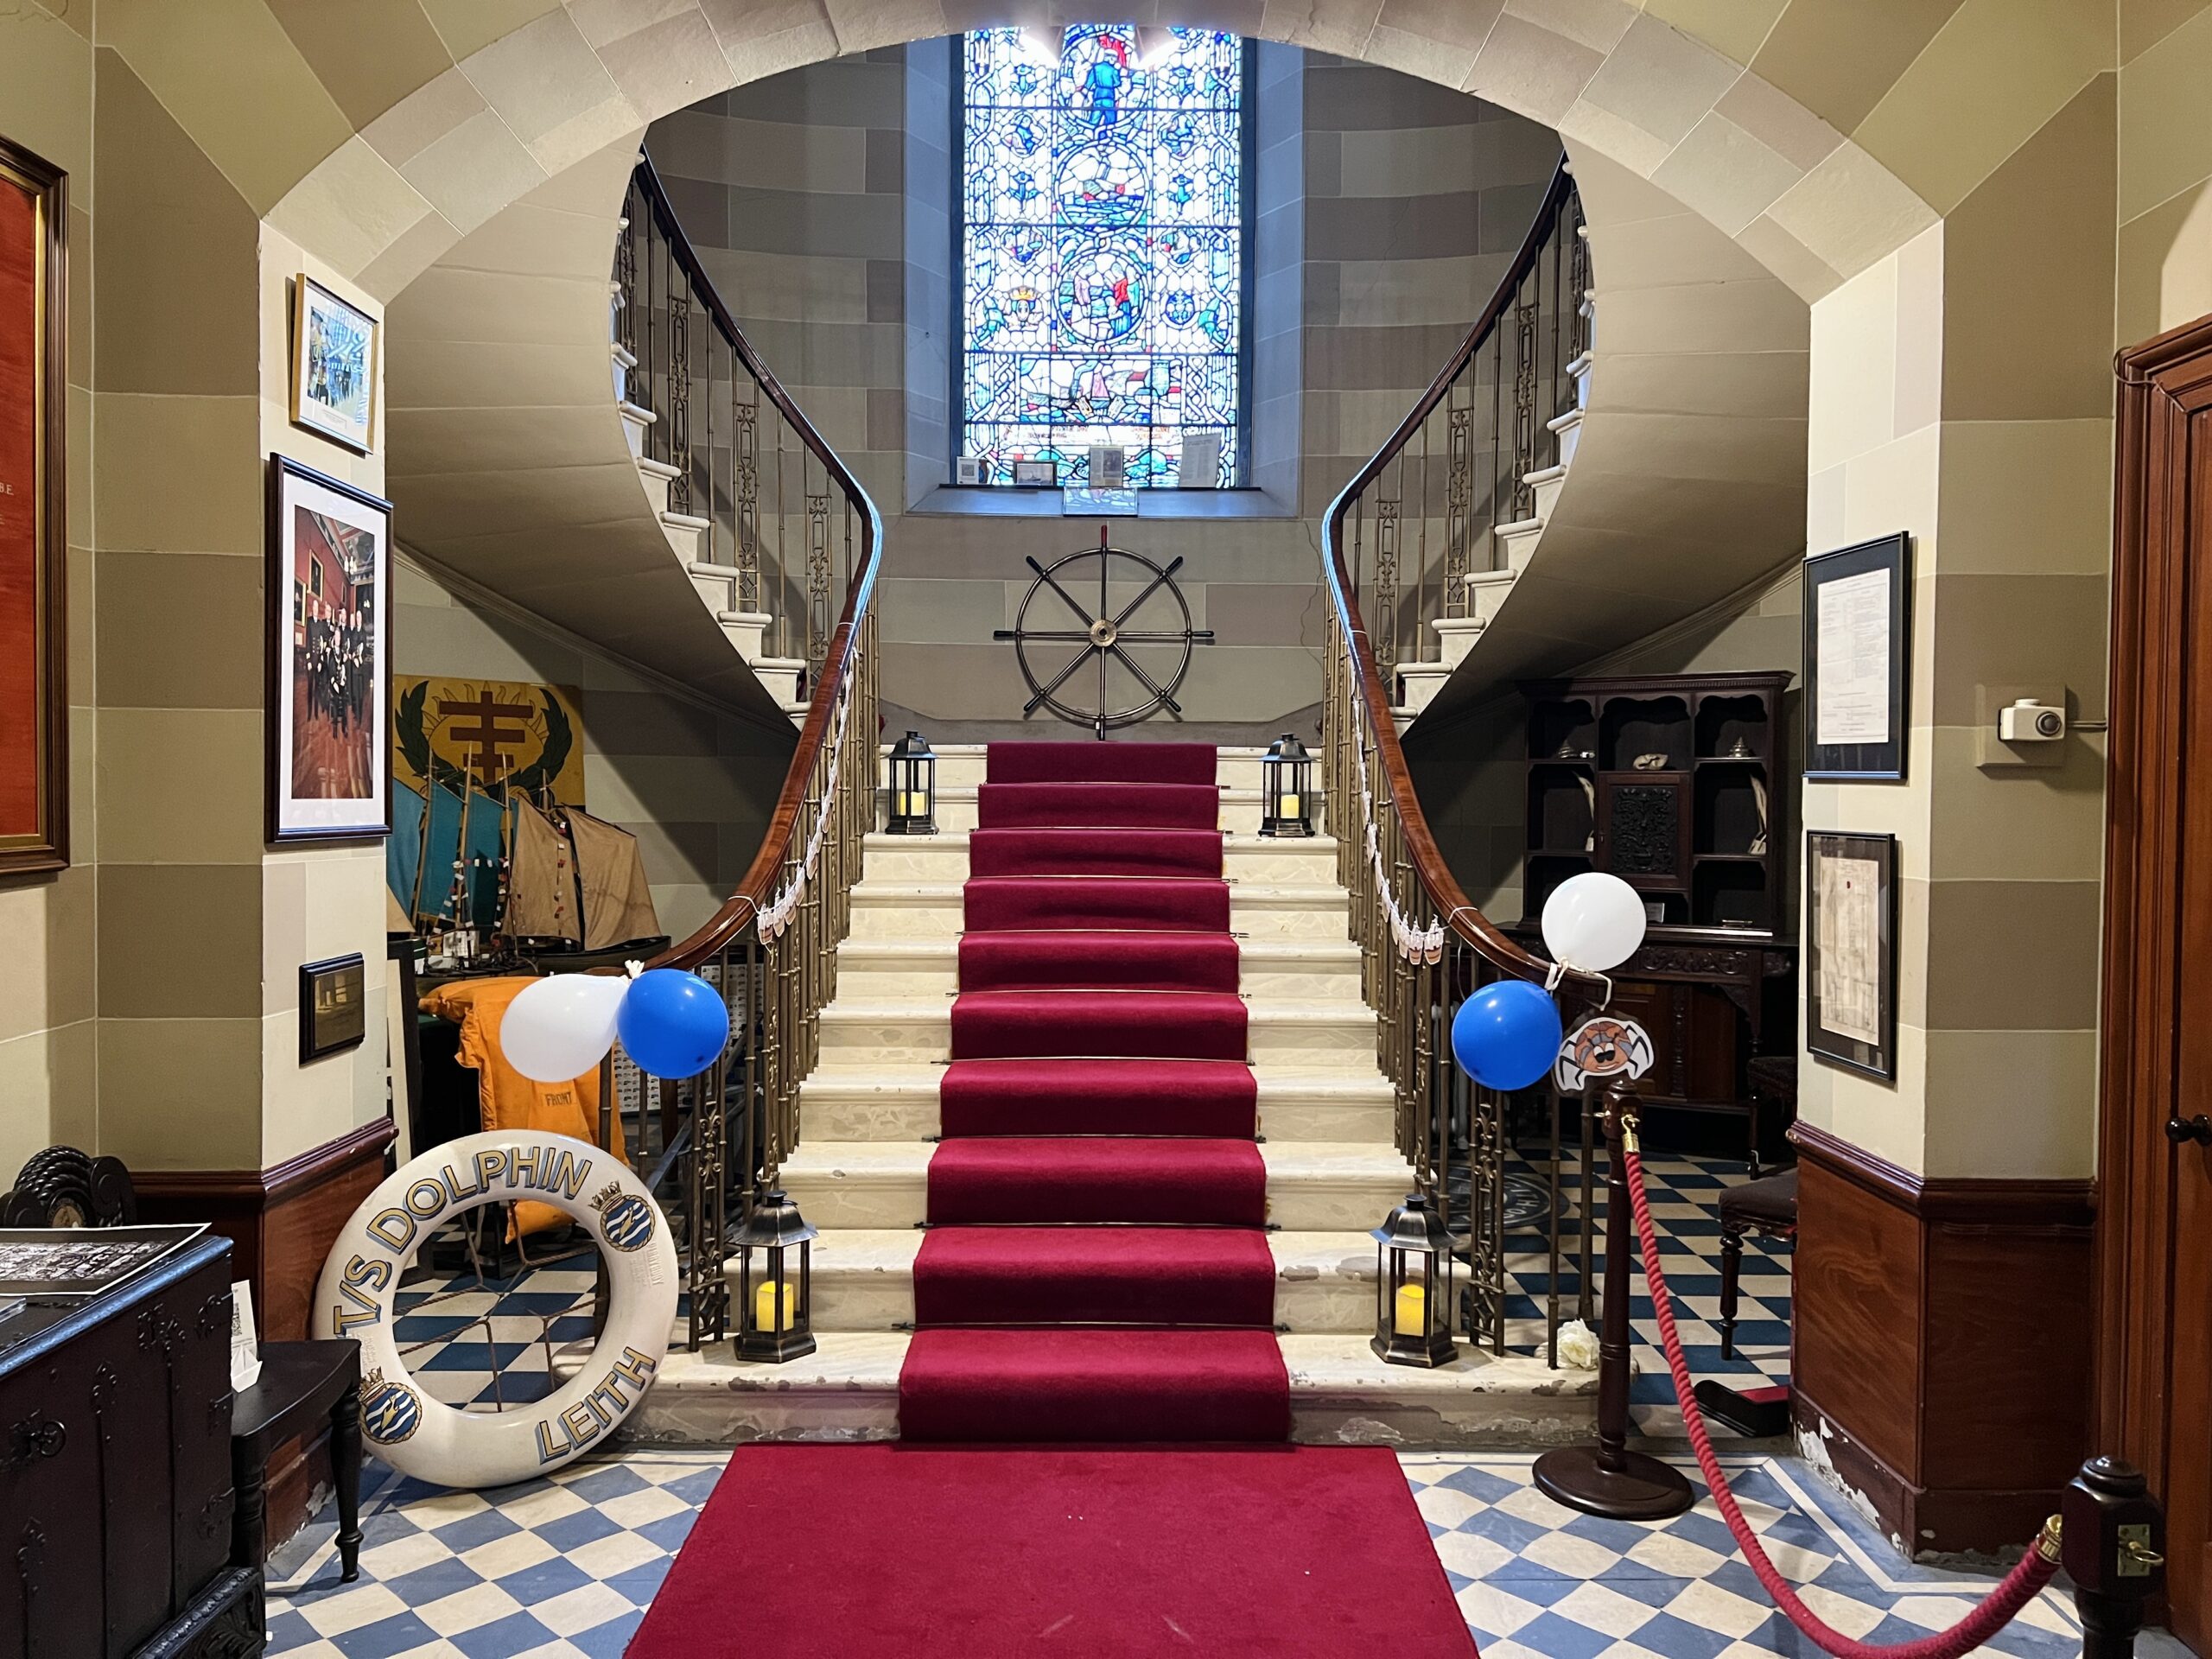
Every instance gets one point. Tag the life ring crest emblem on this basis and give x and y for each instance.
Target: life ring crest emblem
(414, 1431)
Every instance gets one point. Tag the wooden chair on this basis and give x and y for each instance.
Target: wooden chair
(1767, 1207)
(302, 1383)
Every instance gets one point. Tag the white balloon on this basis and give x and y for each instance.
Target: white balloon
(562, 1027)
(1593, 921)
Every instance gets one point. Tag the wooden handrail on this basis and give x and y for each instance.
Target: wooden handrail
(727, 924)
(1459, 914)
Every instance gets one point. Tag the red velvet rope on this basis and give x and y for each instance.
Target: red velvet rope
(1995, 1611)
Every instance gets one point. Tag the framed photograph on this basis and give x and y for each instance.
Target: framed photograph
(34, 379)
(1857, 649)
(1037, 474)
(1850, 957)
(334, 1010)
(333, 366)
(329, 585)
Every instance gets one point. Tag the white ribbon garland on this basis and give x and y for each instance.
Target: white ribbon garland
(1414, 943)
(776, 914)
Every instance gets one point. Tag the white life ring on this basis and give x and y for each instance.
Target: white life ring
(418, 1435)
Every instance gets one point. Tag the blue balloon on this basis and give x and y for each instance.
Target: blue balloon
(1507, 1035)
(672, 1023)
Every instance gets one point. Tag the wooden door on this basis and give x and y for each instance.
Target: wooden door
(2154, 1325)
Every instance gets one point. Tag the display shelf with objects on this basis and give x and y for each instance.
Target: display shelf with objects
(1677, 784)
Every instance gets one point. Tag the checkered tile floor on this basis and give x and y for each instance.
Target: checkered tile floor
(1685, 1196)
(566, 1566)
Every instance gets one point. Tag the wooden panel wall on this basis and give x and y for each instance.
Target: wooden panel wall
(1943, 1343)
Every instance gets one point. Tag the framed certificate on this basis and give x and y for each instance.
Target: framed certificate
(1857, 647)
(1851, 954)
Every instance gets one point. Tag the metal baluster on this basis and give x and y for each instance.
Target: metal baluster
(679, 388)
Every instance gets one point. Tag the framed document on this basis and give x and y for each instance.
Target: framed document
(34, 336)
(1858, 646)
(328, 724)
(1851, 955)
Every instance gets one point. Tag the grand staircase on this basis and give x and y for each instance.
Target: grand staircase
(1095, 1138)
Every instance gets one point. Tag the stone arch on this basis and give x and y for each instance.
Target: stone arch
(1673, 101)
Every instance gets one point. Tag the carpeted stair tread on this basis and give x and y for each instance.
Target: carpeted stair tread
(1095, 852)
(1046, 1097)
(1064, 806)
(1185, 904)
(1095, 1275)
(1151, 960)
(1179, 1180)
(1021, 1024)
(1093, 1385)
(1105, 763)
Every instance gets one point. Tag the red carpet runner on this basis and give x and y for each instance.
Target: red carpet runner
(1096, 1267)
(812, 1552)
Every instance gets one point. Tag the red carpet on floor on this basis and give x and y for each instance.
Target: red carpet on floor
(1104, 1181)
(833, 1552)
(1125, 1025)
(1095, 852)
(1096, 806)
(1187, 904)
(1082, 1275)
(1096, 1267)
(1211, 1099)
(1096, 959)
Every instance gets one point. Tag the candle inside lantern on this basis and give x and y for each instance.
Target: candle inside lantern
(1410, 1317)
(768, 1314)
(1289, 806)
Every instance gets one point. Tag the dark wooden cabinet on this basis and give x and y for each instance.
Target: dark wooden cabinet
(115, 1471)
(1678, 784)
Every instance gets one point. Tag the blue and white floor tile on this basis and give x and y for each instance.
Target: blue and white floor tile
(1685, 1195)
(564, 1568)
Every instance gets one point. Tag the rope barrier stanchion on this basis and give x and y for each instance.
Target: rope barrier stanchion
(1995, 1611)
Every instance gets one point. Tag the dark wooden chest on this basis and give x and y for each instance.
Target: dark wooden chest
(115, 1472)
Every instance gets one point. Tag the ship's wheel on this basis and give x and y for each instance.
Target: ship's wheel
(1112, 663)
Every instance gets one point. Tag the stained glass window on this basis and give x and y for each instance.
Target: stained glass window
(1102, 252)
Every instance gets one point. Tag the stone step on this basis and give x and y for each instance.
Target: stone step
(1578, 370)
(1299, 861)
(656, 476)
(746, 630)
(1568, 429)
(1340, 1395)
(863, 1279)
(924, 910)
(1546, 483)
(911, 1030)
(1303, 971)
(1313, 1185)
(785, 677)
(1419, 683)
(900, 1103)
(636, 420)
(962, 765)
(1240, 809)
(1456, 635)
(1516, 542)
(687, 534)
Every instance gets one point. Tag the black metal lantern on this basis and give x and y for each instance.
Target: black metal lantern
(913, 787)
(775, 1310)
(1413, 1287)
(1287, 789)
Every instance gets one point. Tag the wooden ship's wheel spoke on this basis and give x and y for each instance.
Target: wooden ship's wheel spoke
(1162, 621)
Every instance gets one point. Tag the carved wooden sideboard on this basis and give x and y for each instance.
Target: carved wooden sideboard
(115, 1472)
(1680, 784)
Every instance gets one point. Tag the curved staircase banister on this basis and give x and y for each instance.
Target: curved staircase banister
(680, 248)
(729, 922)
(1458, 914)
